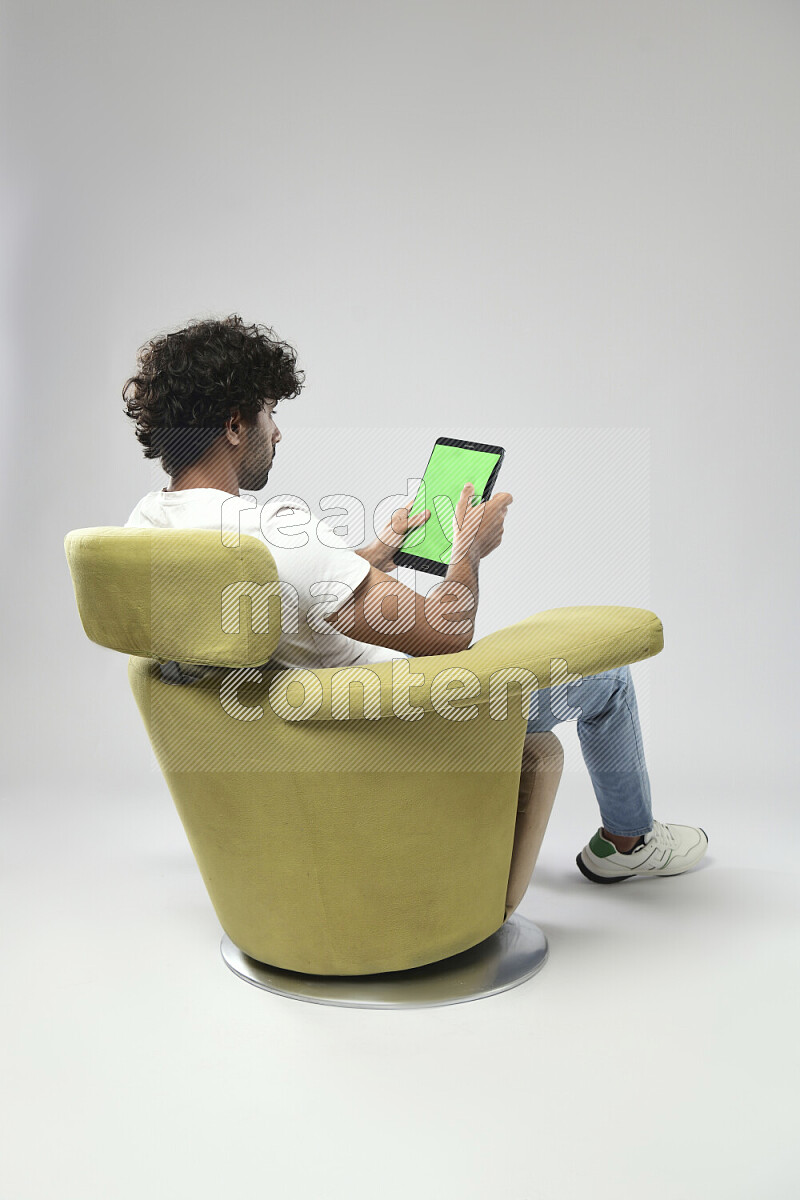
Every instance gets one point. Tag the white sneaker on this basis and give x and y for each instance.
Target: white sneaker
(666, 850)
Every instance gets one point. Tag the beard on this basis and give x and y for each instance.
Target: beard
(256, 465)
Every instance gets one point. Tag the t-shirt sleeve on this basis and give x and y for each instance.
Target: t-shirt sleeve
(320, 566)
(341, 571)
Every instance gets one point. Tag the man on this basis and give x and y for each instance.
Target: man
(204, 400)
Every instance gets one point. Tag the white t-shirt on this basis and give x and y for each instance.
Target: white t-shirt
(320, 567)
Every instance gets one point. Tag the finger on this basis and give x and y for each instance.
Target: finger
(470, 523)
(463, 500)
(400, 515)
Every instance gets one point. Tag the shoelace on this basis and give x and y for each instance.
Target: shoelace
(662, 836)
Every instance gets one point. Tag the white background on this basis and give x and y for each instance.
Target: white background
(570, 228)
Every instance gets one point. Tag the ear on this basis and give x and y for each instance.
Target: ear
(234, 427)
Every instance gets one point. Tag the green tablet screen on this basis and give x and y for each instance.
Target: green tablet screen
(448, 469)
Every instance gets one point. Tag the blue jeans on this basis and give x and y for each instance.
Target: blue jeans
(611, 743)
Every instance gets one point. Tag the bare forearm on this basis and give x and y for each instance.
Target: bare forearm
(377, 555)
(453, 603)
(443, 621)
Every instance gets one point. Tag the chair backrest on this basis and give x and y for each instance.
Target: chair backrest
(177, 594)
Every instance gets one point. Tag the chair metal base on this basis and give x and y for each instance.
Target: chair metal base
(515, 952)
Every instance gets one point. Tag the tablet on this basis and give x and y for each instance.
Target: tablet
(452, 464)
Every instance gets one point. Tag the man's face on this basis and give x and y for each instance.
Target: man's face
(259, 450)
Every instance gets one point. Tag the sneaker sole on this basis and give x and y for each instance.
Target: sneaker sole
(600, 878)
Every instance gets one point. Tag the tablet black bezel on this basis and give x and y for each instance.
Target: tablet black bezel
(402, 558)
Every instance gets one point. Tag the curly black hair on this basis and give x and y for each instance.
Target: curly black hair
(189, 382)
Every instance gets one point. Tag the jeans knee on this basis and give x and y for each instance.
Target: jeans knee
(605, 692)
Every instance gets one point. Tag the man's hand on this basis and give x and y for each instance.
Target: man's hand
(421, 619)
(381, 552)
(478, 529)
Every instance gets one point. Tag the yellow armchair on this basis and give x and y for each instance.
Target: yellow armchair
(348, 822)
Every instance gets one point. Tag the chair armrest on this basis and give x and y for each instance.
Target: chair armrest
(550, 647)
